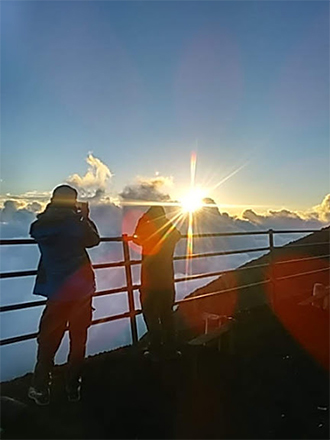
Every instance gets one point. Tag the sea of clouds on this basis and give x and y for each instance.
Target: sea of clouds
(115, 215)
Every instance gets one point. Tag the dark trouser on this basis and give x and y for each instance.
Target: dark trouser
(54, 320)
(158, 316)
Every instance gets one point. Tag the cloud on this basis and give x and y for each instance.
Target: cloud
(15, 220)
(94, 183)
(317, 217)
(34, 207)
(147, 189)
(322, 211)
(283, 219)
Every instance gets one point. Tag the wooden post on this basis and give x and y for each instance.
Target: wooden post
(129, 284)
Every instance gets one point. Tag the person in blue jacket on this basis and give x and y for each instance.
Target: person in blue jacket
(158, 237)
(65, 277)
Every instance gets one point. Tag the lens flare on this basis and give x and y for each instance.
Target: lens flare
(193, 200)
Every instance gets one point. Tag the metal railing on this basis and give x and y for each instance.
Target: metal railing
(130, 287)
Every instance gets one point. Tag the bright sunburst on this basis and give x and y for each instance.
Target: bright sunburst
(193, 200)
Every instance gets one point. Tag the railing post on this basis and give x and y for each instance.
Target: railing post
(272, 268)
(129, 284)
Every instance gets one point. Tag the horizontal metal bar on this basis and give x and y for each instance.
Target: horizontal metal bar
(111, 318)
(119, 264)
(29, 336)
(110, 291)
(290, 246)
(13, 241)
(115, 317)
(27, 273)
(19, 241)
(213, 274)
(111, 239)
(114, 291)
(219, 254)
(225, 234)
(22, 273)
(15, 339)
(27, 305)
(220, 292)
(302, 274)
(197, 276)
(21, 306)
(296, 231)
(302, 259)
(135, 262)
(108, 265)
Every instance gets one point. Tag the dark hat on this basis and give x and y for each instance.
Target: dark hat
(64, 195)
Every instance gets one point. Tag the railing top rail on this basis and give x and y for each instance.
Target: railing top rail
(12, 241)
(16, 241)
(295, 231)
(226, 234)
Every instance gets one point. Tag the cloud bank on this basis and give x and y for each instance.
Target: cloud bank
(147, 190)
(110, 211)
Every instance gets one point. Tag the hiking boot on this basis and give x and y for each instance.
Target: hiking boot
(41, 398)
(73, 393)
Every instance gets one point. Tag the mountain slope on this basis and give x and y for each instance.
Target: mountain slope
(308, 324)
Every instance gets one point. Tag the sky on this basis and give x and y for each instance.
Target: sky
(141, 85)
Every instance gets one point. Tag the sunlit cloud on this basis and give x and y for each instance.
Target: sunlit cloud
(94, 183)
(322, 211)
(147, 191)
(314, 218)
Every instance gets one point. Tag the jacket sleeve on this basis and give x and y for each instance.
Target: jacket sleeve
(91, 234)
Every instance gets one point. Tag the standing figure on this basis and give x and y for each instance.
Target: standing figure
(158, 237)
(66, 278)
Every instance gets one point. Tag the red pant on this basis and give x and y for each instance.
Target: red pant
(57, 315)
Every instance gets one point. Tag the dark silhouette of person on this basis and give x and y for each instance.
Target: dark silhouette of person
(158, 237)
(66, 278)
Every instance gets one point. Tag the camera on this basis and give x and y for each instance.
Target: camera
(82, 207)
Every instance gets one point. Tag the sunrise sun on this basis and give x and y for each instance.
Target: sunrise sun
(193, 200)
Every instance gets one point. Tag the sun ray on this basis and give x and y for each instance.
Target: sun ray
(146, 203)
(229, 176)
(189, 251)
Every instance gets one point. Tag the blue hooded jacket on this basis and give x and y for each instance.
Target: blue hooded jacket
(65, 271)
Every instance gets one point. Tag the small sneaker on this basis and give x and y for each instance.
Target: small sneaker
(173, 354)
(150, 355)
(41, 398)
(73, 393)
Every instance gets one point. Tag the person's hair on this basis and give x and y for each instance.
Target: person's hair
(64, 195)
